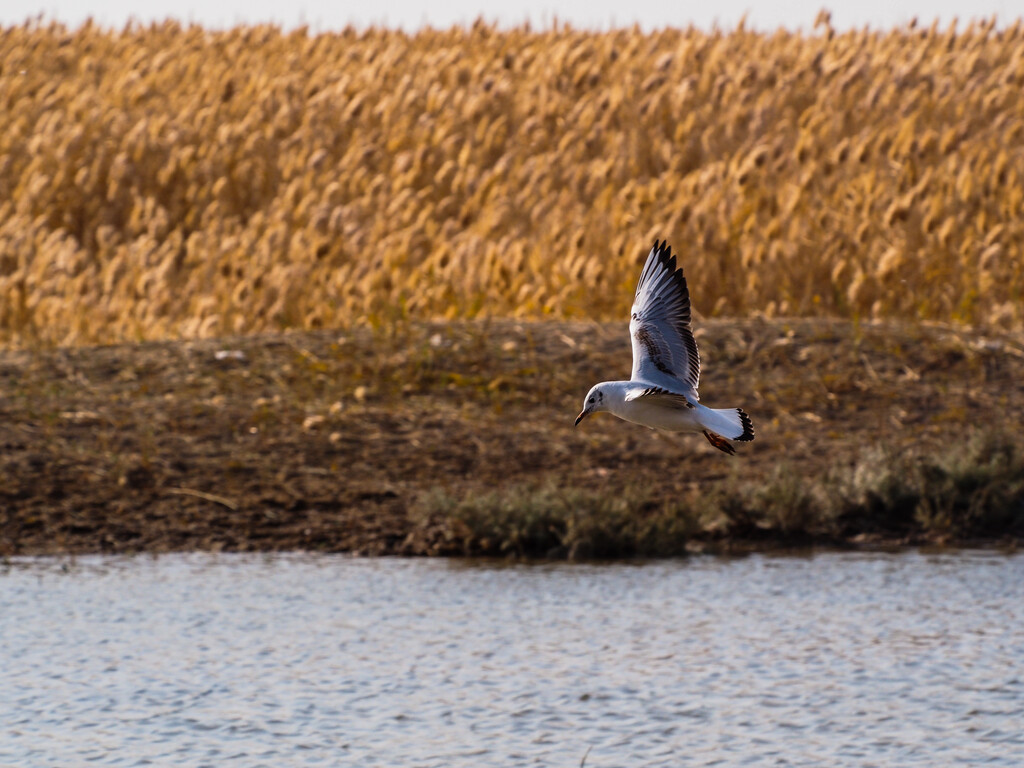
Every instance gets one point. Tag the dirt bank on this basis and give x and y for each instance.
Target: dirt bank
(331, 441)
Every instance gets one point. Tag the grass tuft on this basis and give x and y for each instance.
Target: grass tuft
(531, 520)
(970, 491)
(976, 490)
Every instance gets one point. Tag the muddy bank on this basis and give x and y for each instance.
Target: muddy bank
(357, 441)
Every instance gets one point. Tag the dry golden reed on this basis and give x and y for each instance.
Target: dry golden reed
(169, 181)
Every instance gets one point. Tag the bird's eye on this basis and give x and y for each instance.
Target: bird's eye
(590, 400)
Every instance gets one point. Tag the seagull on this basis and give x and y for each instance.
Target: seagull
(662, 389)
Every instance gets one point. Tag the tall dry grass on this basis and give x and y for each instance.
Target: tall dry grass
(169, 181)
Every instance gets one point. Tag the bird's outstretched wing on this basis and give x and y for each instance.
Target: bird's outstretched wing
(661, 396)
(663, 344)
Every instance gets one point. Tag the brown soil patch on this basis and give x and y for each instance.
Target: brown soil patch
(326, 440)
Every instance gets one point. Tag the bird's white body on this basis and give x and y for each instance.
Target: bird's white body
(662, 390)
(647, 412)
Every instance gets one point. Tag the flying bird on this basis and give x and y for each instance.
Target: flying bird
(662, 389)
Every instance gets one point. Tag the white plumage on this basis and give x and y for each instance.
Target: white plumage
(662, 390)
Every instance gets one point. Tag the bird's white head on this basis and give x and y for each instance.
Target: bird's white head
(596, 400)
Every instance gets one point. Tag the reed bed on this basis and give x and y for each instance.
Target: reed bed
(167, 181)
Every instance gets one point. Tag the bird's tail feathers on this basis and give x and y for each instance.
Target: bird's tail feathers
(732, 423)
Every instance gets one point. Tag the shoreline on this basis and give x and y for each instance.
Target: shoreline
(457, 439)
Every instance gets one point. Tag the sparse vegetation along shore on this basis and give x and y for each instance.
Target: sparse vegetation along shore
(971, 491)
(168, 181)
(457, 438)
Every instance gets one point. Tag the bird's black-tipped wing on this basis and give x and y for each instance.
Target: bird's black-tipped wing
(663, 344)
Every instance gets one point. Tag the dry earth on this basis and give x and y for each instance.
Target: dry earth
(328, 440)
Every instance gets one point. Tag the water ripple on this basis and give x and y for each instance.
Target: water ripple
(832, 659)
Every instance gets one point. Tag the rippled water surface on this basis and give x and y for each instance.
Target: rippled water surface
(832, 659)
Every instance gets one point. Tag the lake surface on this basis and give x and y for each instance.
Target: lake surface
(831, 659)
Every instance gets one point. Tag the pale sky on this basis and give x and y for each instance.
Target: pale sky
(325, 15)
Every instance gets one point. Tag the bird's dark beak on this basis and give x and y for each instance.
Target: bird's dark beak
(579, 418)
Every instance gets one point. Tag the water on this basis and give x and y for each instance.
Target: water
(834, 659)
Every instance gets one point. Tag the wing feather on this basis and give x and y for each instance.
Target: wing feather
(659, 323)
(663, 396)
